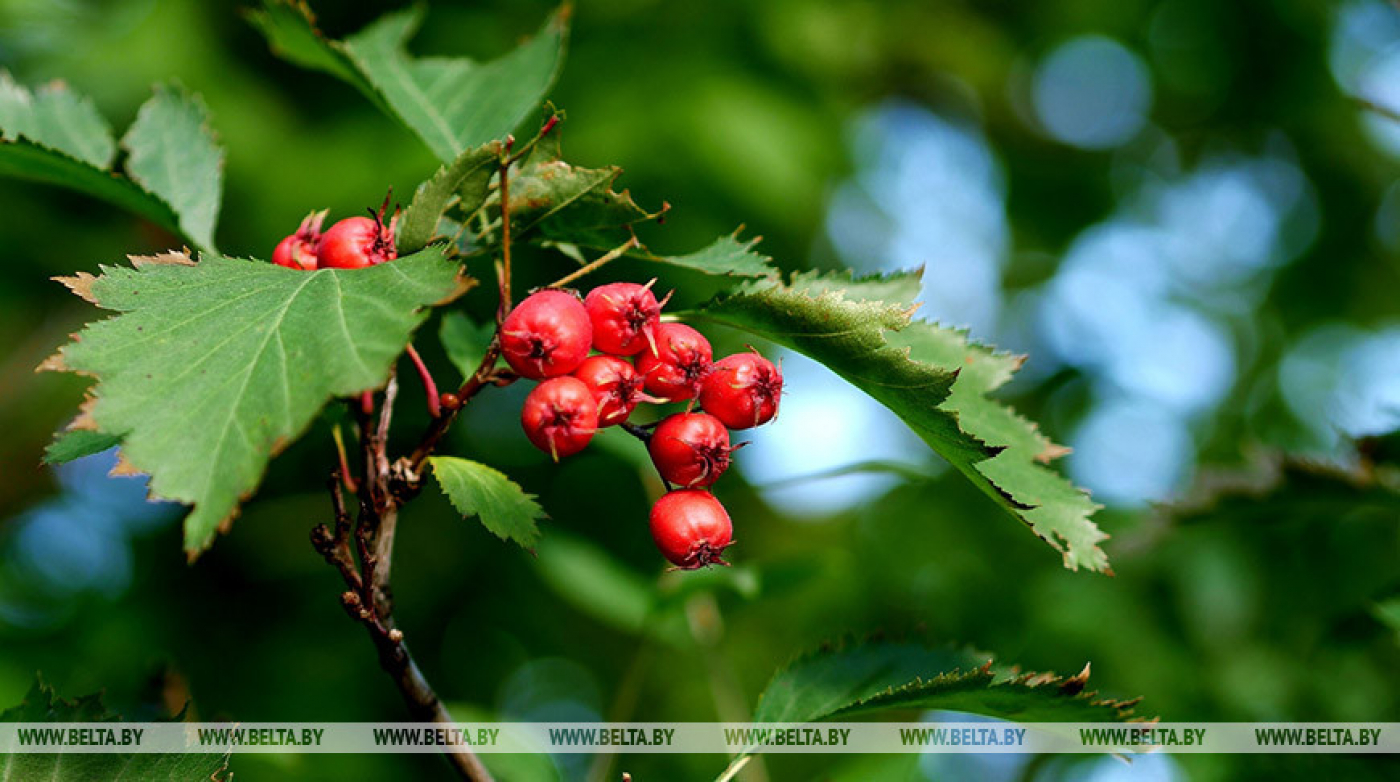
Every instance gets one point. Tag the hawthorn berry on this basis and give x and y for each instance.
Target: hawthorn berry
(615, 385)
(624, 315)
(298, 250)
(356, 242)
(690, 449)
(691, 528)
(560, 416)
(681, 360)
(742, 390)
(546, 335)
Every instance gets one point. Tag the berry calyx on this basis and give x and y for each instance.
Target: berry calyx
(691, 528)
(742, 390)
(615, 385)
(681, 361)
(546, 335)
(560, 416)
(624, 316)
(357, 242)
(690, 449)
(298, 250)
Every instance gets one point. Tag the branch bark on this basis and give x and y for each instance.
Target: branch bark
(368, 598)
(384, 486)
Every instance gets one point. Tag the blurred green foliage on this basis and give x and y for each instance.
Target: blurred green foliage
(1270, 607)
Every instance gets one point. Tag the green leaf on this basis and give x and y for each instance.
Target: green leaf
(27, 161)
(55, 137)
(211, 368)
(727, 255)
(290, 30)
(845, 680)
(553, 202)
(465, 341)
(172, 153)
(57, 118)
(77, 443)
(455, 104)
(465, 182)
(931, 377)
(43, 705)
(477, 490)
(452, 104)
(1388, 613)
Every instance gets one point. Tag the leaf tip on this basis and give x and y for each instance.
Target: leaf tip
(1075, 684)
(53, 363)
(80, 285)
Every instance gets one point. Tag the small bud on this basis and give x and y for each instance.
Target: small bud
(449, 401)
(396, 635)
(350, 599)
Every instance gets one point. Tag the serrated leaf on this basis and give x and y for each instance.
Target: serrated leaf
(42, 704)
(931, 377)
(290, 29)
(862, 678)
(465, 341)
(211, 368)
(57, 118)
(455, 104)
(77, 443)
(451, 104)
(172, 153)
(465, 182)
(57, 138)
(477, 490)
(727, 255)
(557, 201)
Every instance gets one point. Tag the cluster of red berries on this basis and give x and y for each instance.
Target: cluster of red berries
(352, 243)
(549, 336)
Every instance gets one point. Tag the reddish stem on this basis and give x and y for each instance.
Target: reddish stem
(429, 387)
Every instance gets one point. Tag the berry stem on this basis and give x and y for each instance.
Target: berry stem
(644, 434)
(429, 387)
(640, 432)
(344, 462)
(612, 255)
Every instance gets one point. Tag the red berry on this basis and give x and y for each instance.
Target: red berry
(546, 335)
(742, 390)
(616, 387)
(691, 528)
(298, 250)
(690, 449)
(681, 361)
(356, 242)
(624, 315)
(560, 416)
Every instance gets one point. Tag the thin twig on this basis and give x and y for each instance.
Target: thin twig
(429, 386)
(612, 255)
(643, 432)
(367, 599)
(344, 461)
(503, 308)
(384, 486)
(1385, 111)
(485, 373)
